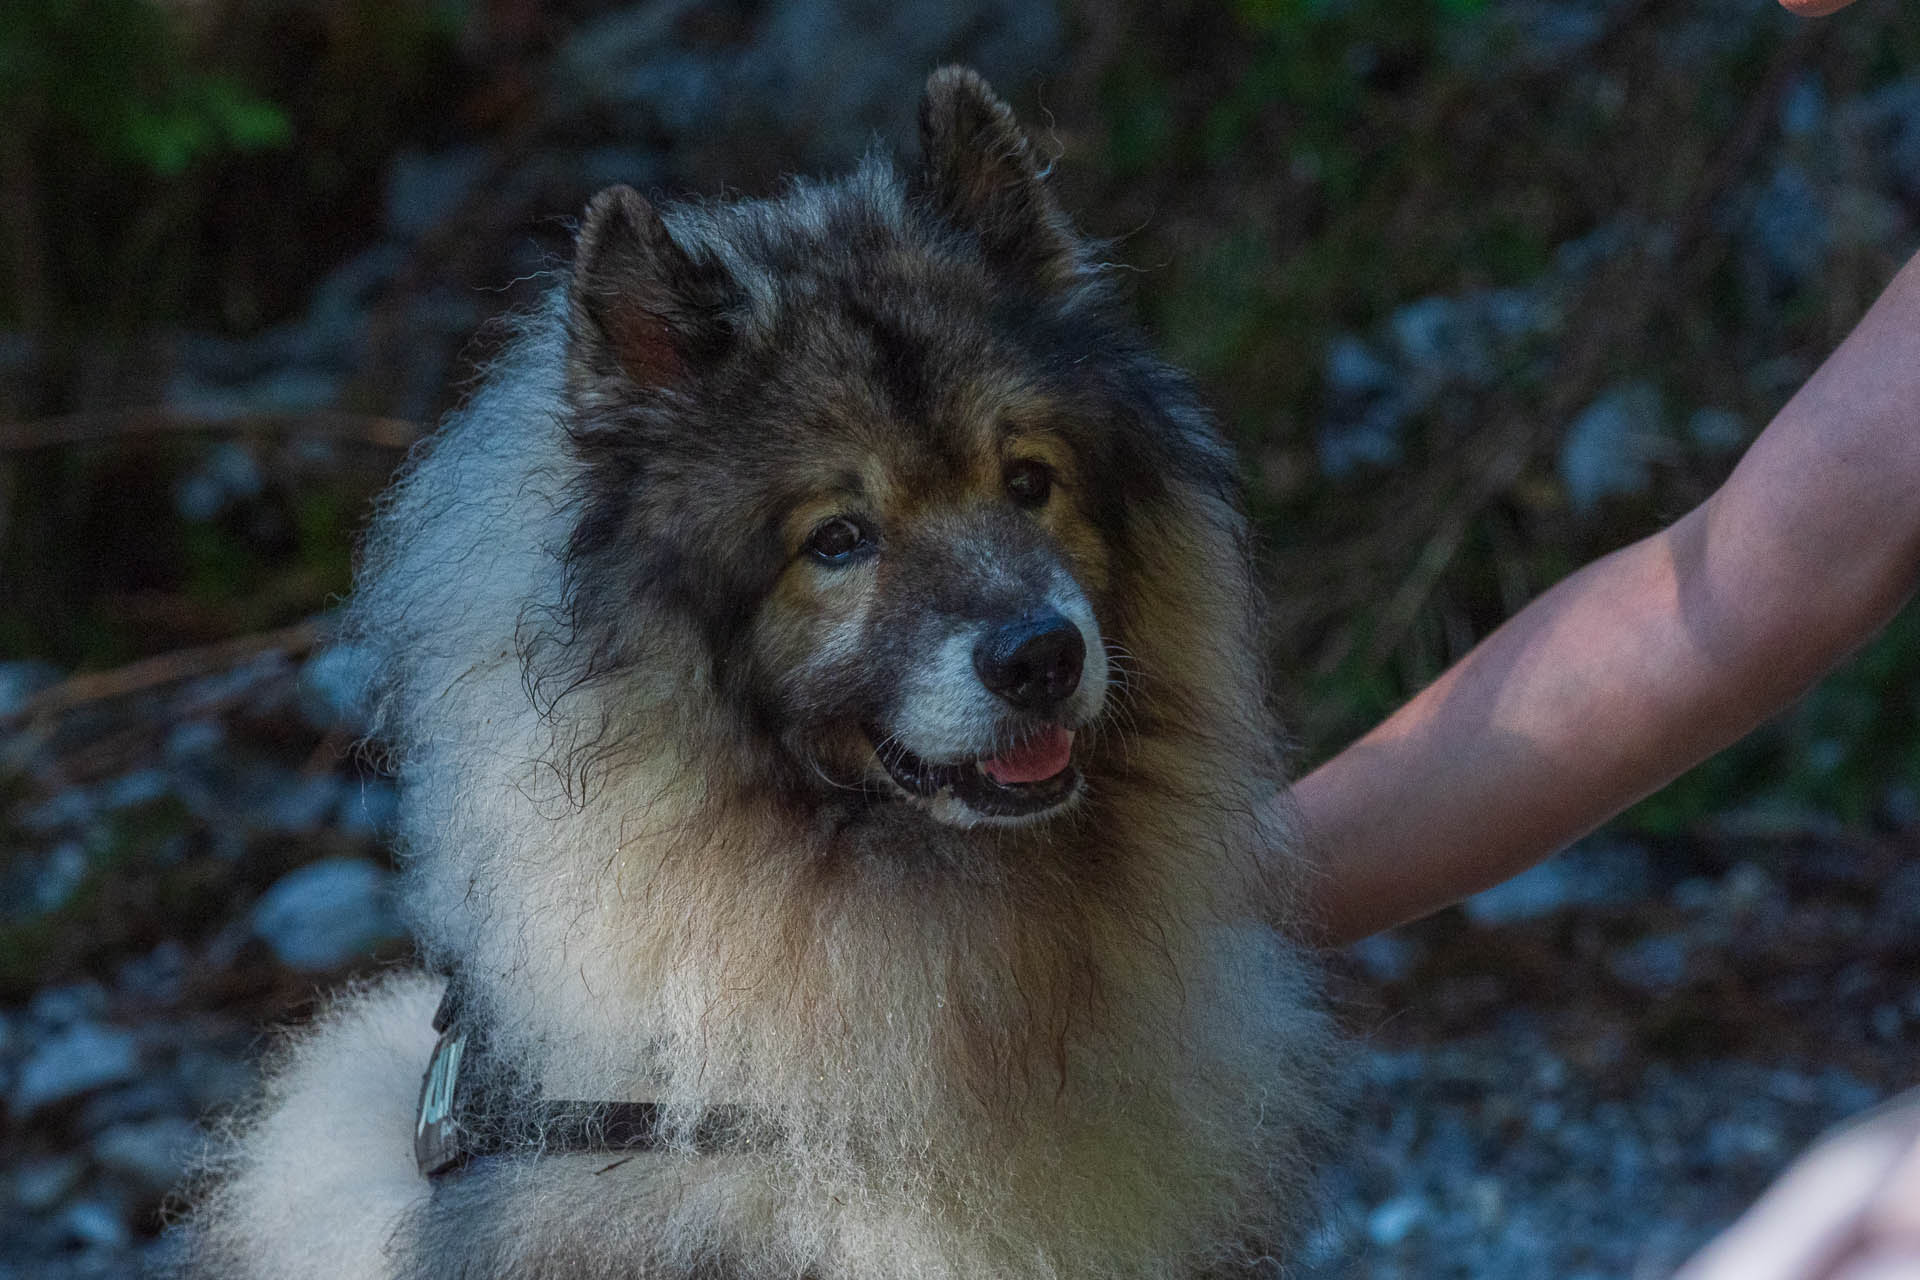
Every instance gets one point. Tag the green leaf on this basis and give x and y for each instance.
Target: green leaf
(246, 122)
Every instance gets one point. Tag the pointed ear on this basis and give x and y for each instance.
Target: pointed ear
(641, 310)
(978, 171)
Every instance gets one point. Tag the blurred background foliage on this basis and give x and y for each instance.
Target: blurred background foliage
(1483, 300)
(1482, 289)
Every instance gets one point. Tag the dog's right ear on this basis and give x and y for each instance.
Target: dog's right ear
(978, 170)
(642, 312)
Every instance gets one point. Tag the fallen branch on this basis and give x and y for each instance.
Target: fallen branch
(90, 428)
(163, 669)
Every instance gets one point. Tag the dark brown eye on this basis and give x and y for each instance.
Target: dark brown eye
(1029, 482)
(837, 541)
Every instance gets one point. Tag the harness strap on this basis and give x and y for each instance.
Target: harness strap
(450, 1126)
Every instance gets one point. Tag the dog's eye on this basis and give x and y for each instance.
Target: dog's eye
(1028, 481)
(837, 540)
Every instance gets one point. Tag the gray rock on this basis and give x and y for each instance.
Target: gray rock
(1394, 1221)
(1657, 963)
(229, 472)
(1787, 224)
(1610, 447)
(1551, 34)
(604, 166)
(1355, 373)
(294, 391)
(195, 496)
(1803, 108)
(1517, 313)
(1366, 415)
(1901, 806)
(131, 790)
(213, 359)
(19, 352)
(1865, 218)
(1891, 119)
(302, 803)
(1441, 340)
(167, 1256)
(1749, 890)
(1717, 430)
(426, 188)
(192, 740)
(40, 1184)
(437, 322)
(265, 682)
(92, 1225)
(151, 1154)
(212, 1079)
(1578, 256)
(56, 876)
(837, 73)
(1846, 1094)
(1741, 1141)
(64, 1006)
(21, 679)
(336, 316)
(679, 88)
(326, 914)
(368, 810)
(153, 1095)
(229, 791)
(1372, 440)
(1696, 894)
(1896, 915)
(336, 687)
(596, 64)
(157, 977)
(1594, 872)
(64, 810)
(70, 1064)
(1386, 957)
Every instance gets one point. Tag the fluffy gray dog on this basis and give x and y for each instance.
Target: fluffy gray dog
(821, 671)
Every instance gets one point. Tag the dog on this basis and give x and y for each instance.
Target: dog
(821, 667)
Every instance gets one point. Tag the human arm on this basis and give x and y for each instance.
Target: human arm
(1644, 662)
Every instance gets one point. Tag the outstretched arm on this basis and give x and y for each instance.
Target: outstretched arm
(1645, 662)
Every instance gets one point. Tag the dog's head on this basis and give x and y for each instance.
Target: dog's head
(882, 454)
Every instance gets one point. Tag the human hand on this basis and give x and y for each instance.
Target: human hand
(1848, 1210)
(1815, 8)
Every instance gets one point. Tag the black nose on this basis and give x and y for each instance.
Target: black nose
(1033, 661)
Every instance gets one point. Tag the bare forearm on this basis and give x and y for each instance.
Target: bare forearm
(1557, 720)
(1645, 662)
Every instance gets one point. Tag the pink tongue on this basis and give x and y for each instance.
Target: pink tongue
(1036, 759)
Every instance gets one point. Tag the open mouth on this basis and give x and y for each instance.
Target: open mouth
(1028, 778)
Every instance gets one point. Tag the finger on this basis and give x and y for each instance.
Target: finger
(1878, 1267)
(1806, 1221)
(1815, 8)
(1895, 1213)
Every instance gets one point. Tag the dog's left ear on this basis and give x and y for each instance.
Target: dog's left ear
(978, 171)
(642, 312)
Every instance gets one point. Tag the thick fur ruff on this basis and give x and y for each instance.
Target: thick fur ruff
(1073, 1048)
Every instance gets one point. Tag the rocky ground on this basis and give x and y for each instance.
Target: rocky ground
(1583, 1073)
(1588, 1071)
